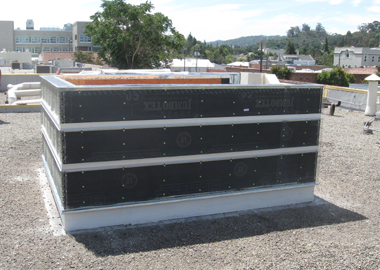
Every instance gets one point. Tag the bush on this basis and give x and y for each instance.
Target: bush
(337, 77)
(281, 72)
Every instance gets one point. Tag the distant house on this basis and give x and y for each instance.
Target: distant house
(354, 57)
(241, 56)
(191, 65)
(274, 51)
(286, 59)
(302, 59)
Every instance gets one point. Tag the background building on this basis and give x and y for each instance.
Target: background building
(354, 57)
(70, 38)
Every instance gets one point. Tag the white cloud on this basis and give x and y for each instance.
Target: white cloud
(331, 2)
(214, 22)
(311, 1)
(374, 9)
(356, 2)
(336, 2)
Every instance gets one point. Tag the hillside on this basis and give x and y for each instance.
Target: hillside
(245, 41)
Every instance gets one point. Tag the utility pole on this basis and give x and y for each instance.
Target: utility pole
(196, 60)
(184, 60)
(261, 56)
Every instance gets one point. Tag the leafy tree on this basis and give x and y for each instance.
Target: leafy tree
(320, 29)
(326, 45)
(281, 72)
(337, 77)
(305, 28)
(131, 36)
(293, 31)
(79, 56)
(290, 48)
(230, 59)
(85, 57)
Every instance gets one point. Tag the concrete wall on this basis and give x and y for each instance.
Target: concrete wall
(239, 69)
(7, 38)
(78, 29)
(257, 66)
(304, 77)
(307, 77)
(50, 56)
(17, 79)
(21, 57)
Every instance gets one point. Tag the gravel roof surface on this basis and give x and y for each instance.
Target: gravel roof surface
(339, 230)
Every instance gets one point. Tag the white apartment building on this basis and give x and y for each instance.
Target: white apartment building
(354, 57)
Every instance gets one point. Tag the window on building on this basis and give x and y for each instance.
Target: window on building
(28, 49)
(46, 49)
(53, 40)
(62, 39)
(36, 49)
(44, 40)
(18, 49)
(55, 49)
(84, 38)
(25, 39)
(18, 39)
(365, 58)
(35, 40)
(373, 58)
(65, 49)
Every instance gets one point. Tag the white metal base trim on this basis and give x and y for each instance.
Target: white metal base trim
(185, 207)
(177, 209)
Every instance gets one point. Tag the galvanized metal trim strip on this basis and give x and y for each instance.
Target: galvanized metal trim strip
(52, 150)
(53, 187)
(137, 124)
(219, 194)
(107, 165)
(52, 117)
(63, 85)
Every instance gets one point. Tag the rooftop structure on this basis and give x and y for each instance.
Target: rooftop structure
(338, 230)
(191, 65)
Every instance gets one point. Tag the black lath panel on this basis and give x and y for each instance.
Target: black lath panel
(109, 187)
(107, 145)
(113, 105)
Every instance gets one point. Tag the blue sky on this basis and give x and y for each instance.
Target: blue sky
(212, 19)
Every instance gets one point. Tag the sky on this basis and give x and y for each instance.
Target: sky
(210, 20)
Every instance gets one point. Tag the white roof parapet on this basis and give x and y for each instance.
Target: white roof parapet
(192, 62)
(373, 78)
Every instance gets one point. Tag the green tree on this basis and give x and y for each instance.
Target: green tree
(305, 28)
(290, 48)
(326, 45)
(131, 36)
(337, 77)
(79, 56)
(281, 72)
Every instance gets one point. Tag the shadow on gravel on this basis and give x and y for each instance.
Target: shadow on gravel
(132, 239)
(2, 122)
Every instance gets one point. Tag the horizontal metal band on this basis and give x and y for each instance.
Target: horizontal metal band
(192, 197)
(107, 165)
(52, 150)
(53, 187)
(137, 124)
